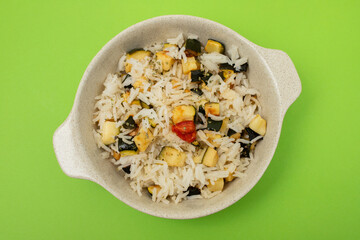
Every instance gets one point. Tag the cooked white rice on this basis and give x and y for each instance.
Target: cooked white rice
(238, 102)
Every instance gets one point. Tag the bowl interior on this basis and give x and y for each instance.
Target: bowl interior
(158, 30)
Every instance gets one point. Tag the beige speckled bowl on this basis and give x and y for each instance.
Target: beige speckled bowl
(270, 71)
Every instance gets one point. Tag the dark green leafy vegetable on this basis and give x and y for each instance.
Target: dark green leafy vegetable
(196, 75)
(252, 134)
(193, 191)
(144, 105)
(244, 67)
(198, 119)
(230, 132)
(213, 125)
(206, 77)
(123, 146)
(202, 110)
(127, 169)
(246, 150)
(192, 47)
(197, 91)
(127, 86)
(226, 66)
(130, 123)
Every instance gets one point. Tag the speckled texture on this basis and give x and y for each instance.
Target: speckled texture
(270, 71)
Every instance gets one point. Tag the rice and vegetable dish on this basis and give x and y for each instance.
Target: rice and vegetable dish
(179, 118)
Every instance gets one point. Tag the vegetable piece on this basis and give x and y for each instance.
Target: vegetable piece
(128, 153)
(184, 127)
(125, 96)
(123, 146)
(251, 133)
(211, 137)
(204, 86)
(185, 130)
(258, 124)
(230, 132)
(127, 169)
(152, 122)
(246, 150)
(198, 120)
(226, 71)
(212, 108)
(140, 83)
(244, 67)
(230, 177)
(217, 186)
(183, 113)
(196, 75)
(138, 54)
(195, 143)
(214, 46)
(210, 158)
(214, 125)
(116, 155)
(202, 110)
(166, 61)
(130, 123)
(193, 191)
(233, 134)
(200, 155)
(197, 91)
(192, 47)
(130, 85)
(143, 139)
(151, 189)
(136, 102)
(187, 137)
(134, 132)
(173, 157)
(206, 77)
(168, 45)
(226, 66)
(109, 131)
(224, 126)
(144, 105)
(190, 65)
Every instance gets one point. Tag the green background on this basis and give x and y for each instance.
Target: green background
(311, 189)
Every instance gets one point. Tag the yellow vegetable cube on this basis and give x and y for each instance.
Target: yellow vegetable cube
(190, 65)
(217, 186)
(258, 124)
(143, 139)
(211, 157)
(211, 137)
(109, 131)
(166, 61)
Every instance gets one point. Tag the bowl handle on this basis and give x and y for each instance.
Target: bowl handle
(285, 74)
(66, 152)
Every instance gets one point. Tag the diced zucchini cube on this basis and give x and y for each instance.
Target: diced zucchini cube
(143, 139)
(183, 113)
(173, 157)
(258, 124)
(217, 186)
(212, 108)
(109, 131)
(214, 46)
(211, 157)
(190, 65)
(166, 61)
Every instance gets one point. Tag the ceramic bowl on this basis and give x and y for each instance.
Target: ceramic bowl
(270, 71)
